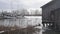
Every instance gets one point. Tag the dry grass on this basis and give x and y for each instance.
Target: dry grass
(4, 28)
(16, 30)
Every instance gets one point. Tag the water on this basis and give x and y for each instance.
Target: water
(23, 22)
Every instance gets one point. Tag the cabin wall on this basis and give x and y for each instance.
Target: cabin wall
(57, 18)
(46, 10)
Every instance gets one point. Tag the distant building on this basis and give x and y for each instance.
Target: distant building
(51, 13)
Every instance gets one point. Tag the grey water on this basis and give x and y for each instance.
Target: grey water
(23, 22)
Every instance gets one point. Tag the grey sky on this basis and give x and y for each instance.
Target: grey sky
(17, 4)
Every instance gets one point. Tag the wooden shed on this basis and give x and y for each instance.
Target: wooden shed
(51, 13)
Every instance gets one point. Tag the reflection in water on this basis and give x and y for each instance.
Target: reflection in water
(24, 22)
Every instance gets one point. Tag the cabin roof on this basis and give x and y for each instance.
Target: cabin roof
(48, 3)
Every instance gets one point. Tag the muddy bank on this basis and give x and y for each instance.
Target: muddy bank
(16, 30)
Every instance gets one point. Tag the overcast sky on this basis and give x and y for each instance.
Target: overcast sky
(18, 4)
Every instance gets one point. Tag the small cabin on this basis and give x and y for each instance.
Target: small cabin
(51, 13)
